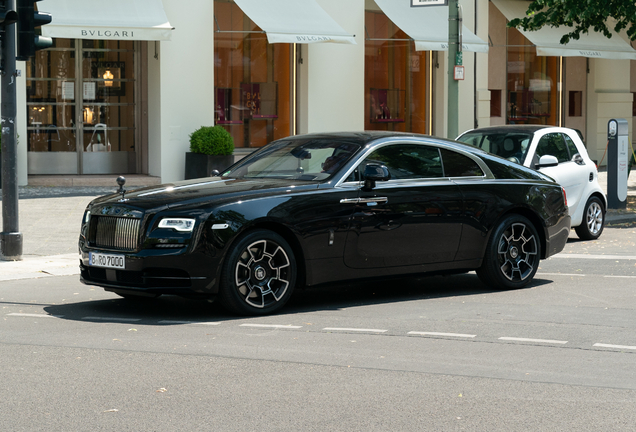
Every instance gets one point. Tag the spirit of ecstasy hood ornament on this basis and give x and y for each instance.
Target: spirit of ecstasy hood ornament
(121, 181)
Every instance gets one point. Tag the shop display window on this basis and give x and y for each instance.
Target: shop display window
(397, 78)
(532, 83)
(385, 105)
(252, 79)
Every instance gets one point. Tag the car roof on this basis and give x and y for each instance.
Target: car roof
(365, 137)
(516, 128)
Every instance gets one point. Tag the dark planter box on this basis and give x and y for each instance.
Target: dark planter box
(200, 165)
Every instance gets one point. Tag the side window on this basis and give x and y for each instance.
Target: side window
(407, 161)
(571, 146)
(458, 165)
(553, 144)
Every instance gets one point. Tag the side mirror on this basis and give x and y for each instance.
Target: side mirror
(214, 173)
(547, 161)
(373, 173)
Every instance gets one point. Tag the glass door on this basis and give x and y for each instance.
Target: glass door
(82, 115)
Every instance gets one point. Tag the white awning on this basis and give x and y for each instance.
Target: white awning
(294, 21)
(112, 19)
(592, 44)
(428, 26)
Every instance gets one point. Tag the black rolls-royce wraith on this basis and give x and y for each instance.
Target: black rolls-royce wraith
(313, 209)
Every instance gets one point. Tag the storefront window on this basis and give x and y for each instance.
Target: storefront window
(51, 98)
(81, 101)
(397, 78)
(532, 84)
(252, 79)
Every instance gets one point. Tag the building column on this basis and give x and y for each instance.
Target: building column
(332, 75)
(180, 86)
(609, 97)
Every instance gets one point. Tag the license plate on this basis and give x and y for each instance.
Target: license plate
(106, 260)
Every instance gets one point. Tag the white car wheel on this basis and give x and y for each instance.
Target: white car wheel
(593, 220)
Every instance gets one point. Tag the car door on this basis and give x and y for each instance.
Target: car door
(568, 173)
(411, 219)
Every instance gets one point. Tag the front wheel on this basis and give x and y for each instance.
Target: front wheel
(259, 274)
(512, 255)
(593, 220)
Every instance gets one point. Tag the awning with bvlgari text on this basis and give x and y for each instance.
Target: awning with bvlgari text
(294, 21)
(428, 26)
(111, 19)
(591, 44)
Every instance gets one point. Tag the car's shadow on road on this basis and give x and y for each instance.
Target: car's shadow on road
(173, 310)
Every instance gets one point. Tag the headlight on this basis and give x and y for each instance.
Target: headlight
(87, 216)
(177, 224)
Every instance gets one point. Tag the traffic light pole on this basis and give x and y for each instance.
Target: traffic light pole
(10, 237)
(453, 85)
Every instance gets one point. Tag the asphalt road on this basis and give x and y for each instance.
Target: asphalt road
(434, 354)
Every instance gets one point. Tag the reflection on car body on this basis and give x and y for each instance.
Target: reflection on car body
(558, 152)
(397, 204)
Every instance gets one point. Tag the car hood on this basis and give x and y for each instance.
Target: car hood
(203, 191)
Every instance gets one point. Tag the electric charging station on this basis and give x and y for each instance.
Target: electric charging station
(617, 160)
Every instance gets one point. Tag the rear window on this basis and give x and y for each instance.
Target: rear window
(511, 145)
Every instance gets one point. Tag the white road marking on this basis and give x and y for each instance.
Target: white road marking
(92, 318)
(533, 340)
(278, 326)
(442, 334)
(561, 274)
(601, 345)
(595, 257)
(354, 330)
(189, 322)
(625, 277)
(35, 315)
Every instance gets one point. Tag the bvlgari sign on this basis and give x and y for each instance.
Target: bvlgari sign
(107, 34)
(417, 3)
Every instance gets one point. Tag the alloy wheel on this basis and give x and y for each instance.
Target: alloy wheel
(262, 273)
(517, 252)
(594, 218)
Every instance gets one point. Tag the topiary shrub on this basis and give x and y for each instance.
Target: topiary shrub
(211, 140)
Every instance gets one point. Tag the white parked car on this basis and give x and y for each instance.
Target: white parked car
(555, 151)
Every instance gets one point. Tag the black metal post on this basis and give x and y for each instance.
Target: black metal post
(453, 85)
(10, 237)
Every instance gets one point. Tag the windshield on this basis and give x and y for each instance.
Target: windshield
(509, 145)
(306, 159)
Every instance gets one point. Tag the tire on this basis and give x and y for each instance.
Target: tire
(593, 220)
(512, 254)
(259, 274)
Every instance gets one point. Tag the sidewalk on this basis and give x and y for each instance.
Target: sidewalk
(50, 219)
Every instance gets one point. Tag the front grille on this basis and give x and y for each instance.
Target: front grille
(114, 232)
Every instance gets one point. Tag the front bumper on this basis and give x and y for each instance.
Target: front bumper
(162, 272)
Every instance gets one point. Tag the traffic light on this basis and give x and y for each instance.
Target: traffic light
(28, 21)
(7, 16)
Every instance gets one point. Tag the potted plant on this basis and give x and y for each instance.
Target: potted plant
(211, 148)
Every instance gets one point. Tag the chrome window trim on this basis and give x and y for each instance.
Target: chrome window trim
(372, 146)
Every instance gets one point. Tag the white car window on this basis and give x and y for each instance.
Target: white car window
(553, 144)
(571, 146)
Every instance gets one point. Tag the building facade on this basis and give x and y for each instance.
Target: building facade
(127, 82)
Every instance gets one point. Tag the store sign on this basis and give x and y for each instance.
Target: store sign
(115, 34)
(418, 3)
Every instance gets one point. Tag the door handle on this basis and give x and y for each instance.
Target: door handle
(368, 201)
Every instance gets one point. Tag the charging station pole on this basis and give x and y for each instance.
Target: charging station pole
(617, 159)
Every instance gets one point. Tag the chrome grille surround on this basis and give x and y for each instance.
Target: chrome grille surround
(111, 232)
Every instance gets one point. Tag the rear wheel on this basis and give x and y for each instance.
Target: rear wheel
(259, 274)
(512, 254)
(593, 220)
